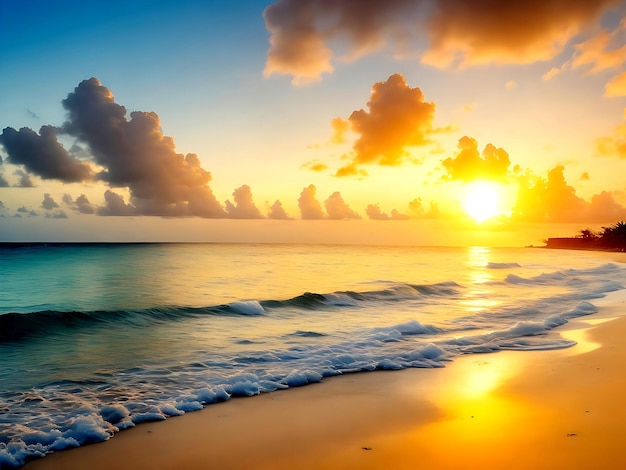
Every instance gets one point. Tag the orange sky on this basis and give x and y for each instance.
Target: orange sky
(401, 112)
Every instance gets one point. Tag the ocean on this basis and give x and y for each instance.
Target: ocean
(96, 338)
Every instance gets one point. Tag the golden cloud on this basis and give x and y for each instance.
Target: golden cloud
(398, 118)
(468, 165)
(614, 145)
(616, 86)
(603, 51)
(458, 33)
(551, 199)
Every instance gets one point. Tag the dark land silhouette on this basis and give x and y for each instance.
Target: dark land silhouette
(612, 237)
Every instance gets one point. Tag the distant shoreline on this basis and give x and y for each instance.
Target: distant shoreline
(579, 243)
(608, 250)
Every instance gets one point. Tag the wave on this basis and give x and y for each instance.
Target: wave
(569, 277)
(492, 265)
(20, 326)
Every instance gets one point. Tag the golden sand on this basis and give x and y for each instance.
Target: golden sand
(508, 410)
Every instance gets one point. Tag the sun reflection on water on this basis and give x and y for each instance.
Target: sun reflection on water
(479, 293)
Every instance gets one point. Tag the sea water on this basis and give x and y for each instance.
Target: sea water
(95, 338)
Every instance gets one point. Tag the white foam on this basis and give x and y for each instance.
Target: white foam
(212, 395)
(114, 413)
(383, 337)
(297, 378)
(247, 307)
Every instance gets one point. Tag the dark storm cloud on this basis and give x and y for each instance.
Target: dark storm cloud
(43, 155)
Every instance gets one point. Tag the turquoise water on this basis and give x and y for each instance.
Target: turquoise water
(97, 338)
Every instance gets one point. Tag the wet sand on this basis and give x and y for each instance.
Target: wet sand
(513, 410)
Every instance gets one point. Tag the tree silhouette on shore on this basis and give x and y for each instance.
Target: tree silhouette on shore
(611, 237)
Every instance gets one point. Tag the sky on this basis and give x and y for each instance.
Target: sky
(404, 122)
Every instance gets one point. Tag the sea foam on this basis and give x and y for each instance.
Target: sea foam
(168, 360)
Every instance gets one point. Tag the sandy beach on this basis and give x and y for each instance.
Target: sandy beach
(514, 410)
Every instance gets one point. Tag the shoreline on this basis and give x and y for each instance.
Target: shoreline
(606, 250)
(519, 409)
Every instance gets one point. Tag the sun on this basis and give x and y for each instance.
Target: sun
(481, 202)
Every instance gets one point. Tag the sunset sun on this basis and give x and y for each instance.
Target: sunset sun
(481, 203)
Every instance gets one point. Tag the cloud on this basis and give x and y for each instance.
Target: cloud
(24, 210)
(468, 165)
(31, 114)
(604, 208)
(553, 72)
(337, 209)
(613, 145)
(80, 205)
(340, 127)
(351, 169)
(416, 207)
(25, 179)
(3, 182)
(603, 51)
(83, 205)
(48, 202)
(510, 84)
(135, 154)
(306, 34)
(398, 118)
(514, 32)
(310, 207)
(551, 199)
(374, 213)
(548, 200)
(60, 214)
(244, 207)
(277, 212)
(616, 86)
(114, 205)
(301, 32)
(315, 166)
(43, 155)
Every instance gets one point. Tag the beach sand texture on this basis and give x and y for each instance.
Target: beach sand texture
(515, 410)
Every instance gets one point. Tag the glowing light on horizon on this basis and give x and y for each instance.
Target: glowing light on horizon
(482, 202)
